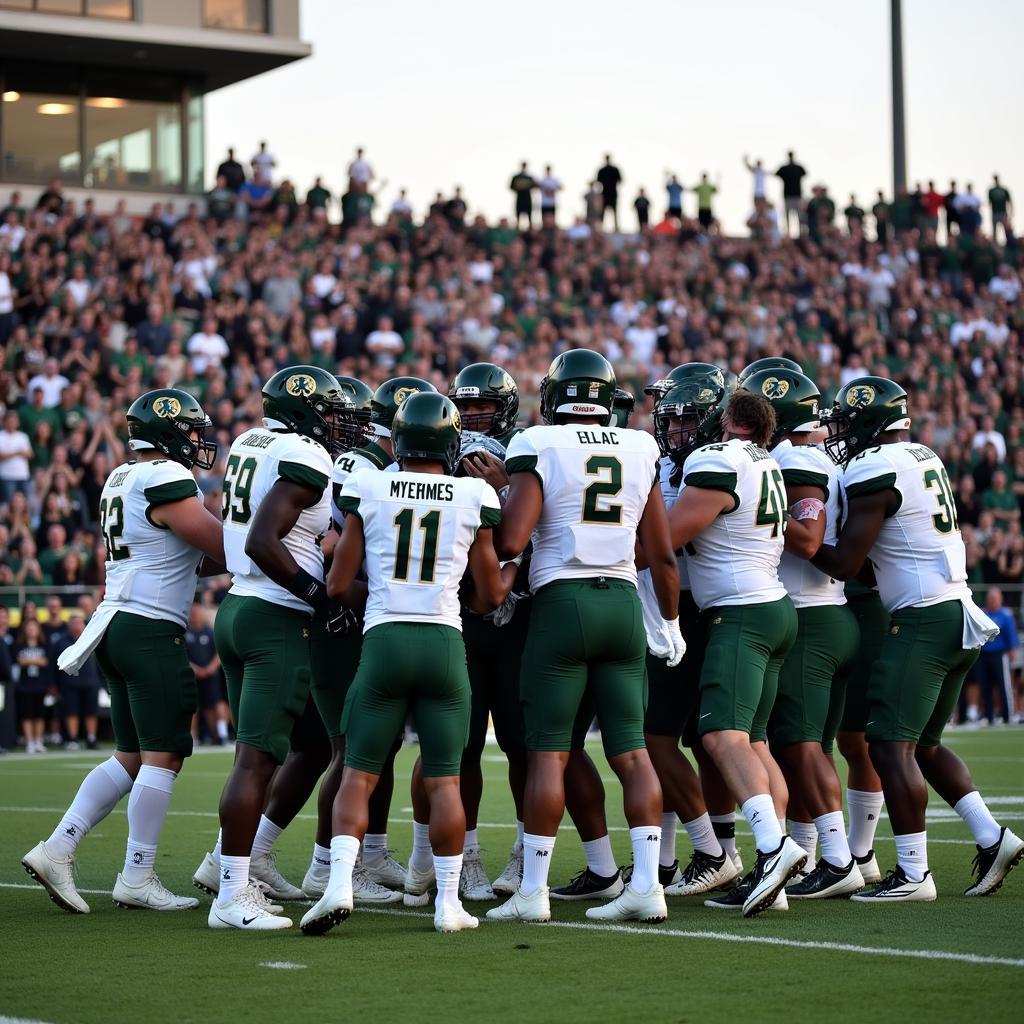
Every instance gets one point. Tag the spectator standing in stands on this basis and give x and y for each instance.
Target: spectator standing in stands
(593, 204)
(318, 196)
(992, 670)
(51, 199)
(821, 211)
(51, 382)
(401, 207)
(705, 192)
(854, 215)
(385, 344)
(522, 186)
(360, 173)
(968, 211)
(34, 683)
(154, 333)
(357, 208)
(1000, 202)
(15, 452)
(880, 211)
(950, 206)
(760, 176)
(549, 187)
(642, 205)
(609, 178)
(674, 191)
(207, 347)
(792, 175)
(931, 202)
(8, 318)
(79, 694)
(263, 164)
(232, 172)
(220, 200)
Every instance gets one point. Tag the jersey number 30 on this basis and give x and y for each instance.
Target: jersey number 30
(237, 489)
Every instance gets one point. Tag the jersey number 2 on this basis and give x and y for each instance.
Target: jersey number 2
(773, 502)
(430, 524)
(237, 489)
(608, 469)
(112, 528)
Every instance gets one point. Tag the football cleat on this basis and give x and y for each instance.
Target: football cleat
(518, 907)
(473, 882)
(631, 905)
(897, 888)
(314, 884)
(385, 871)
(771, 872)
(332, 908)
(453, 919)
(247, 911)
(737, 859)
(368, 890)
(510, 879)
(152, 894)
(735, 897)
(703, 874)
(418, 885)
(588, 886)
(57, 876)
(264, 869)
(869, 869)
(669, 875)
(827, 882)
(207, 876)
(994, 863)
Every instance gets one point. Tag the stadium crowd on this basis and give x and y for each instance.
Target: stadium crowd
(214, 299)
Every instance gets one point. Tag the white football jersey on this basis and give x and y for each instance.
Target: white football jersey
(257, 460)
(149, 571)
(418, 529)
(919, 556)
(736, 559)
(804, 465)
(370, 456)
(596, 483)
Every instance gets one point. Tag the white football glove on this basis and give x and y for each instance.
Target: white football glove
(675, 638)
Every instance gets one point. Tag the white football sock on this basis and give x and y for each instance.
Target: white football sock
(222, 730)
(599, 857)
(978, 819)
(520, 829)
(536, 862)
(702, 834)
(375, 847)
(832, 832)
(321, 858)
(97, 796)
(447, 871)
(805, 835)
(421, 855)
(215, 852)
(760, 814)
(725, 831)
(234, 877)
(472, 842)
(912, 855)
(863, 809)
(667, 856)
(344, 852)
(266, 835)
(147, 809)
(646, 842)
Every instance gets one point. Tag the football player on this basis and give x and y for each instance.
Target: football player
(275, 505)
(902, 519)
(418, 531)
(155, 530)
(730, 517)
(586, 492)
(826, 641)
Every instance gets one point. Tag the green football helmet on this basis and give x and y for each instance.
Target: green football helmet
(767, 363)
(864, 409)
(173, 422)
(358, 432)
(622, 407)
(794, 397)
(578, 383)
(427, 425)
(486, 382)
(309, 401)
(685, 371)
(689, 416)
(389, 396)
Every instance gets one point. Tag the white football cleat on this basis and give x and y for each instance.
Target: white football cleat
(737, 859)
(385, 871)
(264, 869)
(417, 885)
(869, 869)
(207, 876)
(703, 874)
(473, 882)
(995, 862)
(332, 908)
(631, 905)
(247, 911)
(512, 876)
(897, 888)
(57, 876)
(368, 890)
(314, 884)
(152, 894)
(771, 872)
(523, 908)
(453, 919)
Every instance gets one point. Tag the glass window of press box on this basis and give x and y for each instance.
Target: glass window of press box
(237, 15)
(123, 10)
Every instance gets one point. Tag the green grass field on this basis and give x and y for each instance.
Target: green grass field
(953, 959)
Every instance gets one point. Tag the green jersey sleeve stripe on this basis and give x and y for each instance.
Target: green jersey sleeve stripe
(524, 464)
(805, 478)
(860, 488)
(489, 517)
(715, 482)
(305, 476)
(175, 490)
(350, 506)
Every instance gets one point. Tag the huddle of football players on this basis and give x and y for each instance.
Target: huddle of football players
(759, 581)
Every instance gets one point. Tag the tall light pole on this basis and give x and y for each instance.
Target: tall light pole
(899, 142)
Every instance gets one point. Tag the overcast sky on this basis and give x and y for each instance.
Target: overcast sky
(458, 92)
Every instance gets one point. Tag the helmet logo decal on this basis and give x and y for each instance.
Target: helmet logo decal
(401, 394)
(774, 388)
(860, 395)
(571, 390)
(467, 392)
(167, 408)
(595, 389)
(706, 395)
(300, 385)
(457, 420)
(814, 407)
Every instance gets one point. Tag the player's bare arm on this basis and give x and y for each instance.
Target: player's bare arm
(349, 551)
(519, 516)
(863, 525)
(696, 509)
(190, 520)
(805, 529)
